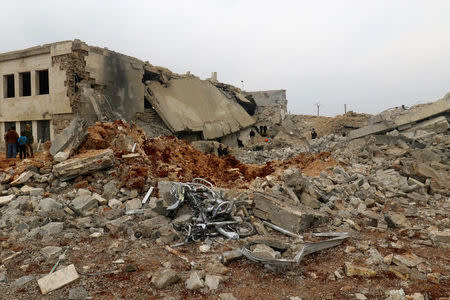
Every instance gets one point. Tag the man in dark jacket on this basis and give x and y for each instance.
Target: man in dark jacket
(313, 134)
(11, 138)
(30, 140)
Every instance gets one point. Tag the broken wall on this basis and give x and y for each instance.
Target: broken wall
(271, 106)
(119, 78)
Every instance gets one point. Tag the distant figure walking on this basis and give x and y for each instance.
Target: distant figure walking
(22, 141)
(11, 138)
(252, 134)
(313, 134)
(220, 151)
(30, 140)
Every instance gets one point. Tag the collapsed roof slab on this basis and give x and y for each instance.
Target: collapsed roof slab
(191, 104)
(418, 113)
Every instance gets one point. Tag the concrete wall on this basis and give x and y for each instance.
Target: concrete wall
(35, 107)
(271, 106)
(120, 78)
(269, 98)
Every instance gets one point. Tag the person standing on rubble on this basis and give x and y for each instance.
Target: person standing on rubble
(313, 134)
(11, 138)
(30, 140)
(252, 134)
(21, 142)
(220, 151)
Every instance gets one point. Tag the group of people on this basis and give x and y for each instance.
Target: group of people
(222, 151)
(22, 144)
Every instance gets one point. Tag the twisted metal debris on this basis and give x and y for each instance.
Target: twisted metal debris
(213, 214)
(308, 248)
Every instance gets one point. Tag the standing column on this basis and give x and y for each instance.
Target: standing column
(16, 86)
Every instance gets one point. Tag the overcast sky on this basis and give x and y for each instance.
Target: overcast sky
(370, 55)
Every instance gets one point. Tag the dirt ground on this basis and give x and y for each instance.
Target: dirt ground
(246, 280)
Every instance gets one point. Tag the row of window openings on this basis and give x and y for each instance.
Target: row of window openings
(42, 84)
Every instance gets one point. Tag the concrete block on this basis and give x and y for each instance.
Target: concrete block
(85, 164)
(61, 156)
(58, 279)
(285, 216)
(6, 199)
(70, 138)
(84, 204)
(23, 178)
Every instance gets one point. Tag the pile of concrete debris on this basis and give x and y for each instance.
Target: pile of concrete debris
(126, 216)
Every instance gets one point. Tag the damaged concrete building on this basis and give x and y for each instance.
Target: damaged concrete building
(48, 86)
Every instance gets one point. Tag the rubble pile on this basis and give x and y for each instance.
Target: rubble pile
(130, 217)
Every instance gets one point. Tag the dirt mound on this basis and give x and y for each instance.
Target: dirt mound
(169, 157)
(178, 160)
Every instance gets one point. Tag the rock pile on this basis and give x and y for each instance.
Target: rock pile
(89, 216)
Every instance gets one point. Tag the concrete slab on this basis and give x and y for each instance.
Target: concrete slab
(191, 104)
(58, 279)
(403, 119)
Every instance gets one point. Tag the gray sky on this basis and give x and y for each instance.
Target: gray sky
(371, 55)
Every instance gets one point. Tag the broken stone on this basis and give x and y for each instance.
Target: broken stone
(114, 203)
(6, 199)
(353, 270)
(375, 257)
(61, 156)
(216, 268)
(84, 204)
(100, 199)
(117, 224)
(133, 204)
(51, 228)
(416, 296)
(36, 192)
(26, 189)
(227, 296)
(230, 256)
(289, 218)
(78, 293)
(409, 259)
(149, 227)
(85, 164)
(212, 281)
(360, 296)
(441, 236)
(23, 178)
(204, 248)
(388, 259)
(51, 252)
(164, 278)
(396, 220)
(58, 279)
(264, 251)
(23, 280)
(396, 295)
(48, 205)
(110, 189)
(70, 137)
(194, 282)
(309, 200)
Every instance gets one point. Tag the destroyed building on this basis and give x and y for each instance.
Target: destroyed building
(47, 86)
